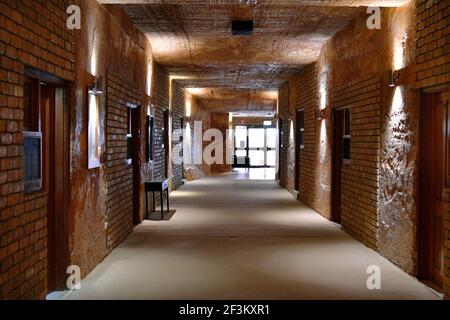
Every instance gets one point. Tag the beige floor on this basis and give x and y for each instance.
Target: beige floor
(242, 239)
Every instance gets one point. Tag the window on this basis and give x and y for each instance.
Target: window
(150, 138)
(267, 123)
(301, 129)
(32, 136)
(129, 136)
(347, 136)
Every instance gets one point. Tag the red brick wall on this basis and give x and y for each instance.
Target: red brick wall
(306, 92)
(161, 103)
(177, 115)
(286, 165)
(360, 178)
(119, 174)
(432, 42)
(32, 33)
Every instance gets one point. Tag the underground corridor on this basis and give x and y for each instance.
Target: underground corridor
(224, 150)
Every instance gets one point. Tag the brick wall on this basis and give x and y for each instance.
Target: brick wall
(286, 167)
(306, 92)
(161, 103)
(119, 174)
(360, 178)
(177, 116)
(432, 42)
(32, 33)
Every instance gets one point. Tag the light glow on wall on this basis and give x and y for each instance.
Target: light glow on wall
(198, 91)
(149, 77)
(291, 131)
(399, 51)
(187, 144)
(397, 101)
(188, 105)
(94, 56)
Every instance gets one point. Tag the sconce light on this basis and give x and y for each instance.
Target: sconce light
(290, 116)
(320, 114)
(96, 89)
(394, 78)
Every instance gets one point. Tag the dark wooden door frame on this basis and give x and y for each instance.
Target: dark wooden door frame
(166, 117)
(337, 161)
(58, 230)
(136, 115)
(280, 126)
(298, 123)
(424, 242)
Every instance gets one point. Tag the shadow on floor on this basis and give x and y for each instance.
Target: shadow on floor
(156, 216)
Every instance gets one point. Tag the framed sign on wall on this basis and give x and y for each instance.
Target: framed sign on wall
(150, 138)
(93, 126)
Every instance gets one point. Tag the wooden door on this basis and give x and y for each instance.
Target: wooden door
(55, 159)
(166, 142)
(434, 134)
(299, 124)
(136, 156)
(49, 94)
(338, 145)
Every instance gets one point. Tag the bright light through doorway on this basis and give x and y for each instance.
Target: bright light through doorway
(254, 173)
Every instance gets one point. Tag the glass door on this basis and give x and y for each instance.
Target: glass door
(257, 147)
(271, 151)
(262, 145)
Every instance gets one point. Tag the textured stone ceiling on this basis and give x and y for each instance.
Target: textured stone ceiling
(193, 39)
(255, 102)
(341, 3)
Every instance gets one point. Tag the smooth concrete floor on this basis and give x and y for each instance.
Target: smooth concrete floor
(233, 238)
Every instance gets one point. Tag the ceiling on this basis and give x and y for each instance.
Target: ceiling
(250, 102)
(193, 40)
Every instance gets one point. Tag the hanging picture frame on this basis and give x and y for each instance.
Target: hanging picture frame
(150, 138)
(93, 136)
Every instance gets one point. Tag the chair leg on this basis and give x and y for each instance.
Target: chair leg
(153, 203)
(146, 205)
(167, 195)
(162, 204)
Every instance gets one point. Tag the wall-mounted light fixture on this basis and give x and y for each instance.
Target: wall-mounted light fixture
(399, 77)
(96, 88)
(290, 115)
(320, 114)
(393, 78)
